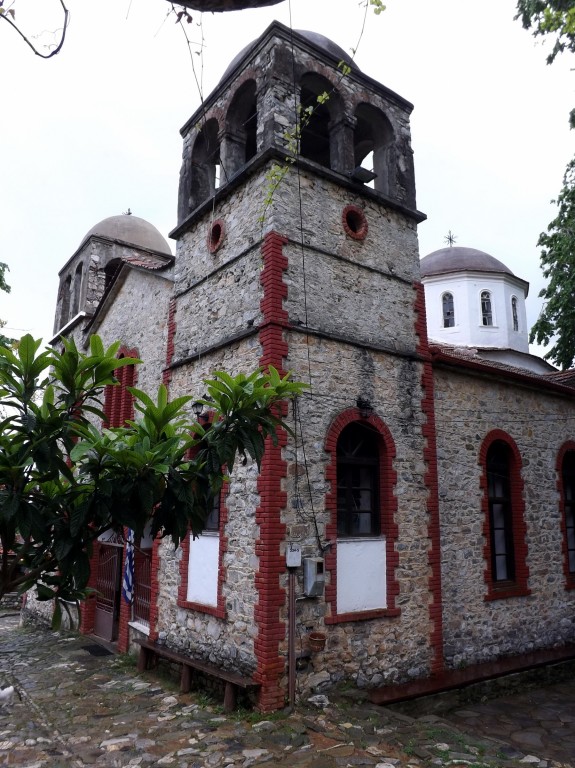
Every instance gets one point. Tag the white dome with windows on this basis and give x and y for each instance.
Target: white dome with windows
(474, 300)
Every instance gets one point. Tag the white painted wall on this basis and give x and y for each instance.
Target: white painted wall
(203, 569)
(361, 575)
(469, 330)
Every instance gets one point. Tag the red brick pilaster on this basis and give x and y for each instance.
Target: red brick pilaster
(432, 484)
(271, 597)
(125, 609)
(155, 588)
(167, 374)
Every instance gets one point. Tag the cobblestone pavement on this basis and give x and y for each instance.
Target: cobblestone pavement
(73, 707)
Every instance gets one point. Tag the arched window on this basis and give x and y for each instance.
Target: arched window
(373, 138)
(500, 512)
(212, 524)
(361, 505)
(77, 290)
(568, 499)
(239, 143)
(205, 174)
(486, 308)
(358, 482)
(316, 118)
(514, 315)
(504, 525)
(110, 271)
(65, 301)
(201, 569)
(448, 310)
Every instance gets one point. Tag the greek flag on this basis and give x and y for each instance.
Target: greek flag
(128, 580)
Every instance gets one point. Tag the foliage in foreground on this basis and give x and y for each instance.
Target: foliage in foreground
(64, 480)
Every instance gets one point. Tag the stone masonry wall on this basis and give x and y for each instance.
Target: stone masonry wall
(386, 649)
(467, 409)
(227, 641)
(138, 318)
(347, 325)
(239, 214)
(224, 304)
(390, 245)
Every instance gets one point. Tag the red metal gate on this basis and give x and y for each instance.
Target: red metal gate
(108, 586)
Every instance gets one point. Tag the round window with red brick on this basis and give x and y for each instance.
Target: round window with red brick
(354, 222)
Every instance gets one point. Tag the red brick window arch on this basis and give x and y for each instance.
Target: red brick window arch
(118, 401)
(361, 505)
(504, 529)
(566, 487)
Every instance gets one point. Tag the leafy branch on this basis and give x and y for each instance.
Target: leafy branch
(292, 143)
(64, 480)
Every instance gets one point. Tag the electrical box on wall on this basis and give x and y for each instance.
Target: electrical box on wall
(313, 576)
(293, 555)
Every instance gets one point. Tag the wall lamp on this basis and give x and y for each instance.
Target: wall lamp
(365, 407)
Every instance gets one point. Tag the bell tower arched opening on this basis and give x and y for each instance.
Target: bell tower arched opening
(373, 137)
(316, 119)
(205, 163)
(239, 142)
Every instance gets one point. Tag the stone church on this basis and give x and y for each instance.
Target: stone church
(424, 507)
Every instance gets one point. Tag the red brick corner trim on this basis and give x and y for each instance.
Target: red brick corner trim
(268, 612)
(431, 482)
(388, 509)
(566, 448)
(519, 586)
(170, 346)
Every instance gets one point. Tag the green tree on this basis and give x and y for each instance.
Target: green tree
(557, 318)
(556, 18)
(550, 17)
(64, 480)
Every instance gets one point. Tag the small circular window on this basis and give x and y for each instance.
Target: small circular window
(354, 222)
(216, 235)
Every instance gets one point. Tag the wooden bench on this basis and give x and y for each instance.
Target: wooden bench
(151, 652)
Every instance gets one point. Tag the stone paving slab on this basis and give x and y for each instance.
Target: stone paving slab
(76, 709)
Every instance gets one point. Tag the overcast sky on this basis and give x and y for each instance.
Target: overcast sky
(95, 130)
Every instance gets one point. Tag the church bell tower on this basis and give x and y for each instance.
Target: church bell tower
(297, 248)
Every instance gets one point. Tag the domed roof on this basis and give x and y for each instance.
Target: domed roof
(459, 259)
(130, 229)
(320, 41)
